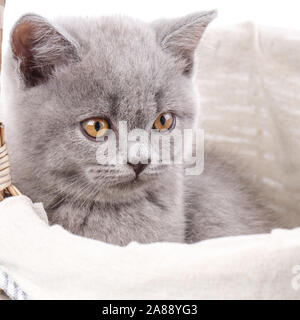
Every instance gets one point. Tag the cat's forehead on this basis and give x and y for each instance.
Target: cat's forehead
(118, 38)
(121, 53)
(123, 69)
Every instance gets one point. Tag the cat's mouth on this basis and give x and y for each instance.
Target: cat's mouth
(131, 183)
(118, 178)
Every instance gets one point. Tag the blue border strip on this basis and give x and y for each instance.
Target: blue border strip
(10, 288)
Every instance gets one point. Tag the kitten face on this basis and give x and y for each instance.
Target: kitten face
(115, 69)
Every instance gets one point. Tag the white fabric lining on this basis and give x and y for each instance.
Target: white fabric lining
(64, 266)
(249, 89)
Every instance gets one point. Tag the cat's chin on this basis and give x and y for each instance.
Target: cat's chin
(123, 191)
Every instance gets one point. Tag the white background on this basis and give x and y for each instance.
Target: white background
(280, 13)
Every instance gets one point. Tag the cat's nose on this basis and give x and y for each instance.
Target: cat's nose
(138, 168)
(137, 156)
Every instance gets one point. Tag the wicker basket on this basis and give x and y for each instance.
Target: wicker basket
(6, 188)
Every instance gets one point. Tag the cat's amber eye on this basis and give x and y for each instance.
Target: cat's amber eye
(95, 127)
(164, 122)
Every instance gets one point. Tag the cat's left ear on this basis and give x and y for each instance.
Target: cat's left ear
(181, 36)
(40, 48)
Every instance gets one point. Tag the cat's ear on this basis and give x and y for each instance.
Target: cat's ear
(181, 36)
(39, 48)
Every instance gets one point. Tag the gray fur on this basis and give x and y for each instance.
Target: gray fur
(121, 69)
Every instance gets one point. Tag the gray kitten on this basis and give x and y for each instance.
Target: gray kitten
(59, 74)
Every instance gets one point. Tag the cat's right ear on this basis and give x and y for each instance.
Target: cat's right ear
(39, 48)
(180, 36)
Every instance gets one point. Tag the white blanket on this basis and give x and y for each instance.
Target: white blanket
(249, 81)
(50, 263)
